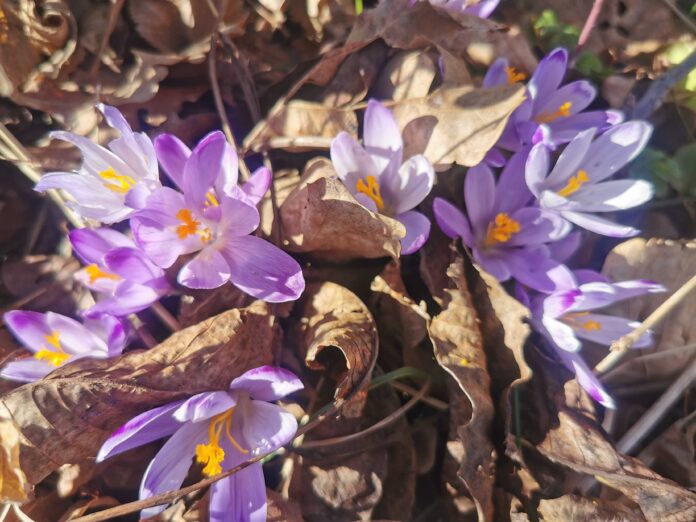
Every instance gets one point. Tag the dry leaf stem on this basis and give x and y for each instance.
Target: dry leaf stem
(619, 349)
(166, 317)
(110, 25)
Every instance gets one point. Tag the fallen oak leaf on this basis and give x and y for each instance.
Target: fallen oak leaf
(13, 482)
(69, 414)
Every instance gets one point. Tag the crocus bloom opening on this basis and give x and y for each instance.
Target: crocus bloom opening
(376, 177)
(125, 278)
(213, 218)
(480, 8)
(507, 237)
(568, 316)
(56, 340)
(221, 430)
(552, 113)
(112, 182)
(577, 186)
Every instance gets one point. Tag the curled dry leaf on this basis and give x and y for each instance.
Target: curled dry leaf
(670, 263)
(456, 124)
(13, 481)
(408, 74)
(334, 317)
(324, 219)
(69, 414)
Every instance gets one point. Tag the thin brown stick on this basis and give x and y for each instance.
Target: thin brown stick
(167, 318)
(684, 18)
(110, 25)
(589, 23)
(430, 401)
(619, 349)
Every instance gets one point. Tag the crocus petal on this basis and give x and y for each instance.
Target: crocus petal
(96, 158)
(569, 161)
(417, 231)
(536, 168)
(496, 74)
(599, 225)
(26, 370)
(414, 182)
(548, 75)
(586, 378)
(91, 244)
(170, 466)
(615, 148)
(564, 248)
(267, 383)
(74, 337)
(482, 9)
(139, 154)
(262, 270)
(140, 430)
(609, 196)
(209, 269)
(111, 330)
(537, 226)
(128, 298)
(204, 406)
(635, 288)
(258, 184)
(238, 217)
(493, 265)
(212, 162)
(239, 497)
(561, 335)
(511, 192)
(479, 195)
(578, 94)
(132, 264)
(351, 161)
(494, 158)
(172, 153)
(533, 267)
(452, 221)
(559, 303)
(564, 130)
(162, 246)
(265, 427)
(605, 329)
(366, 202)
(29, 327)
(382, 138)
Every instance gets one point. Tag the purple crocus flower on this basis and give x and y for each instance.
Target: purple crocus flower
(552, 113)
(507, 237)
(112, 182)
(125, 278)
(55, 340)
(213, 219)
(222, 429)
(481, 9)
(376, 177)
(576, 187)
(568, 316)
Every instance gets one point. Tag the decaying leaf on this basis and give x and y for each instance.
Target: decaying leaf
(323, 219)
(334, 317)
(66, 416)
(408, 74)
(13, 481)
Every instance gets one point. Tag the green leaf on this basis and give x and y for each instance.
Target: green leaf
(552, 33)
(590, 65)
(685, 157)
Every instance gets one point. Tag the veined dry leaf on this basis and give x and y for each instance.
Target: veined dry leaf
(334, 317)
(456, 124)
(408, 74)
(581, 509)
(672, 264)
(67, 416)
(323, 219)
(300, 125)
(13, 481)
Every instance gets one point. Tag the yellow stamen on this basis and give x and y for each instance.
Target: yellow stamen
(56, 358)
(501, 230)
(514, 76)
(562, 111)
(190, 225)
(574, 183)
(210, 200)
(371, 190)
(211, 454)
(95, 272)
(592, 325)
(118, 183)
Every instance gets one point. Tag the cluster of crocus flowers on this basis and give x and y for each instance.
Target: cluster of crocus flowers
(376, 176)
(221, 430)
(55, 340)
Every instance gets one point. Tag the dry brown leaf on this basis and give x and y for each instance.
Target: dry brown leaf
(408, 74)
(13, 481)
(301, 125)
(580, 509)
(456, 124)
(670, 263)
(673, 452)
(323, 219)
(68, 415)
(334, 317)
(282, 509)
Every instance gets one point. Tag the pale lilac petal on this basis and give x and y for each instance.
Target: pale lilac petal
(30, 328)
(209, 269)
(26, 370)
(548, 75)
(494, 265)
(128, 298)
(559, 303)
(479, 195)
(162, 206)
(111, 330)
(417, 231)
(562, 335)
(170, 466)
(536, 168)
(267, 383)
(579, 94)
(511, 191)
(96, 158)
(138, 154)
(160, 245)
(494, 158)
(204, 406)
(415, 181)
(172, 154)
(496, 74)
(239, 497)
(599, 225)
(452, 221)
(262, 270)
(212, 162)
(482, 9)
(563, 249)
(258, 184)
(610, 329)
(91, 244)
(238, 217)
(366, 202)
(635, 288)
(351, 161)
(149, 426)
(586, 378)
(586, 275)
(615, 148)
(75, 338)
(535, 269)
(383, 142)
(537, 226)
(564, 130)
(265, 427)
(132, 264)
(570, 159)
(610, 196)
